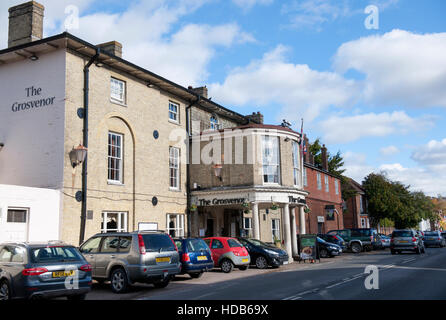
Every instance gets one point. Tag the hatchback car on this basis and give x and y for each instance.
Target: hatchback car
(334, 238)
(43, 270)
(195, 256)
(128, 257)
(263, 254)
(434, 239)
(385, 240)
(327, 249)
(406, 240)
(227, 253)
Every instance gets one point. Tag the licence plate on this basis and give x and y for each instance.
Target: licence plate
(245, 260)
(404, 241)
(202, 258)
(430, 238)
(163, 259)
(285, 262)
(61, 274)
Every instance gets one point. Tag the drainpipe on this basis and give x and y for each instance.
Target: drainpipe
(85, 143)
(188, 189)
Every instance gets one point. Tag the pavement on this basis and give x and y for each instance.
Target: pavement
(403, 276)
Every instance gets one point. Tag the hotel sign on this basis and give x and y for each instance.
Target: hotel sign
(35, 100)
(216, 201)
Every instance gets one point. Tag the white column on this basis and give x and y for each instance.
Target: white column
(287, 230)
(255, 221)
(302, 220)
(293, 232)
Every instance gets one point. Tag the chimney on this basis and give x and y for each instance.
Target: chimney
(307, 154)
(112, 47)
(310, 158)
(25, 23)
(255, 117)
(324, 158)
(202, 91)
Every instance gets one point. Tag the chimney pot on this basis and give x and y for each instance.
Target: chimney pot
(25, 23)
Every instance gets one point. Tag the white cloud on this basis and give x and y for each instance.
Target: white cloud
(401, 67)
(351, 128)
(272, 80)
(433, 154)
(389, 151)
(248, 4)
(355, 165)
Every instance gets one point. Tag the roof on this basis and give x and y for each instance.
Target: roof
(356, 186)
(309, 165)
(256, 126)
(79, 46)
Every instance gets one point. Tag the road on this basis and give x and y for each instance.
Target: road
(403, 276)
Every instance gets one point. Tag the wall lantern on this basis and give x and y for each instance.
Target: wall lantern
(34, 58)
(77, 155)
(1, 145)
(217, 171)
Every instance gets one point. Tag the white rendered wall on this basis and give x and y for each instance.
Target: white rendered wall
(44, 211)
(34, 138)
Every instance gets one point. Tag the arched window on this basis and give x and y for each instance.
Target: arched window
(214, 125)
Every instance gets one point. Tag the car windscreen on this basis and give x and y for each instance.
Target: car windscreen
(402, 234)
(196, 245)
(234, 243)
(431, 233)
(54, 254)
(258, 243)
(361, 232)
(158, 242)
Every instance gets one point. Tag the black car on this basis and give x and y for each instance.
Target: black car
(334, 238)
(263, 254)
(443, 234)
(327, 249)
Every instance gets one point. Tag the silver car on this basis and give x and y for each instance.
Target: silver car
(130, 257)
(406, 240)
(43, 270)
(434, 239)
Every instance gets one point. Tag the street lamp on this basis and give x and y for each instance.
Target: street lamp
(77, 155)
(217, 171)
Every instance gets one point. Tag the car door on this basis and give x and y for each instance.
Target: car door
(217, 249)
(107, 255)
(89, 250)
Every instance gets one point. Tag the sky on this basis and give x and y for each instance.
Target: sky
(368, 77)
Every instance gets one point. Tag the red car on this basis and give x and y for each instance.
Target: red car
(227, 253)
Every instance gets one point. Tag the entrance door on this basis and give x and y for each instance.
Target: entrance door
(232, 220)
(320, 227)
(210, 228)
(16, 227)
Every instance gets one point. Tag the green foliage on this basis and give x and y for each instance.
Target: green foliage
(393, 201)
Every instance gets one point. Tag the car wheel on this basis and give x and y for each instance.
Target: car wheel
(356, 247)
(243, 268)
(226, 266)
(5, 292)
(119, 281)
(196, 275)
(77, 297)
(323, 253)
(261, 262)
(162, 284)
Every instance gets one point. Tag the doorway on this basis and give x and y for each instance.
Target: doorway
(209, 227)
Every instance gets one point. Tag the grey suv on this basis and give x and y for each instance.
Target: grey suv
(43, 270)
(130, 257)
(406, 240)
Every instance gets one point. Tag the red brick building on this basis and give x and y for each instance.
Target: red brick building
(355, 210)
(324, 200)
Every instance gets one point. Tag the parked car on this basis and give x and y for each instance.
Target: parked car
(406, 240)
(263, 254)
(385, 240)
(227, 253)
(43, 270)
(327, 249)
(443, 234)
(357, 239)
(195, 256)
(334, 238)
(128, 257)
(434, 239)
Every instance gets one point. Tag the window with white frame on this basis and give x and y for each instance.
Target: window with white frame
(275, 229)
(114, 222)
(214, 125)
(319, 181)
(271, 159)
(296, 163)
(336, 183)
(174, 112)
(247, 226)
(305, 177)
(174, 167)
(17, 215)
(175, 225)
(327, 188)
(117, 90)
(115, 148)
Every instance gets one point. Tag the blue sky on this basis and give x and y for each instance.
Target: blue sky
(375, 94)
